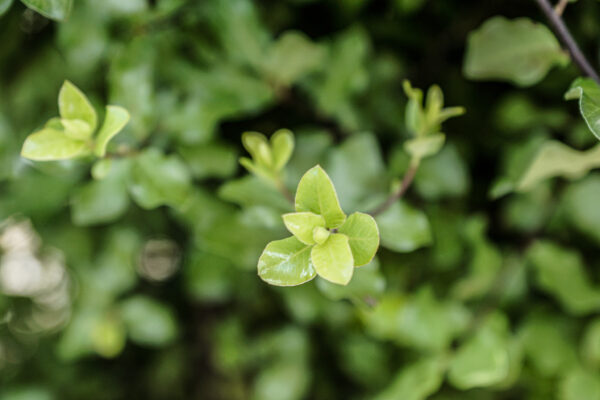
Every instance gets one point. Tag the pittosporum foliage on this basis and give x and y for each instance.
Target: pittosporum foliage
(401, 253)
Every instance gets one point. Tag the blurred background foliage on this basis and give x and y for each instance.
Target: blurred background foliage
(143, 284)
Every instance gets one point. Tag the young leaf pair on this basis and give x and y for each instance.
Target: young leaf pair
(425, 122)
(268, 157)
(325, 242)
(72, 134)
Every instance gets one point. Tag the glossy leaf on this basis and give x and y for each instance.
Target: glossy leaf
(333, 259)
(519, 50)
(363, 237)
(403, 228)
(74, 105)
(54, 9)
(302, 225)
(588, 93)
(115, 119)
(286, 262)
(316, 194)
(50, 144)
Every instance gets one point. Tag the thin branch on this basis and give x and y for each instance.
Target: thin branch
(566, 38)
(397, 195)
(559, 8)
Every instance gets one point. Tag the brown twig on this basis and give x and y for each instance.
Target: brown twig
(566, 38)
(559, 8)
(398, 194)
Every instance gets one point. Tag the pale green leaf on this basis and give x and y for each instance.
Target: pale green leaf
(104, 200)
(5, 6)
(363, 237)
(73, 104)
(561, 272)
(282, 146)
(115, 119)
(211, 160)
(580, 202)
(148, 322)
(419, 321)
(286, 262)
(101, 168)
(547, 344)
(291, 57)
(519, 50)
(250, 191)
(425, 146)
(403, 228)
(483, 360)
(51, 144)
(257, 145)
(316, 194)
(302, 225)
(580, 384)
(556, 159)
(588, 93)
(416, 381)
(54, 9)
(76, 129)
(590, 344)
(333, 259)
(159, 180)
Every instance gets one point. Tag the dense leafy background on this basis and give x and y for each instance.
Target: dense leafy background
(143, 284)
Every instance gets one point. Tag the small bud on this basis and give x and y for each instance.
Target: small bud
(320, 234)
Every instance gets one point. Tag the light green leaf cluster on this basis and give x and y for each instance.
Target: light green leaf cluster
(268, 156)
(72, 134)
(425, 122)
(587, 91)
(519, 51)
(324, 241)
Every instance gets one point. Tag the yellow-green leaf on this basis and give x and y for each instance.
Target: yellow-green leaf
(588, 93)
(286, 262)
(363, 237)
(116, 118)
(73, 104)
(282, 146)
(302, 224)
(333, 259)
(76, 129)
(51, 144)
(316, 194)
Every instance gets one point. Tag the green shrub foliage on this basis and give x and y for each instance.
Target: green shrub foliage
(235, 199)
